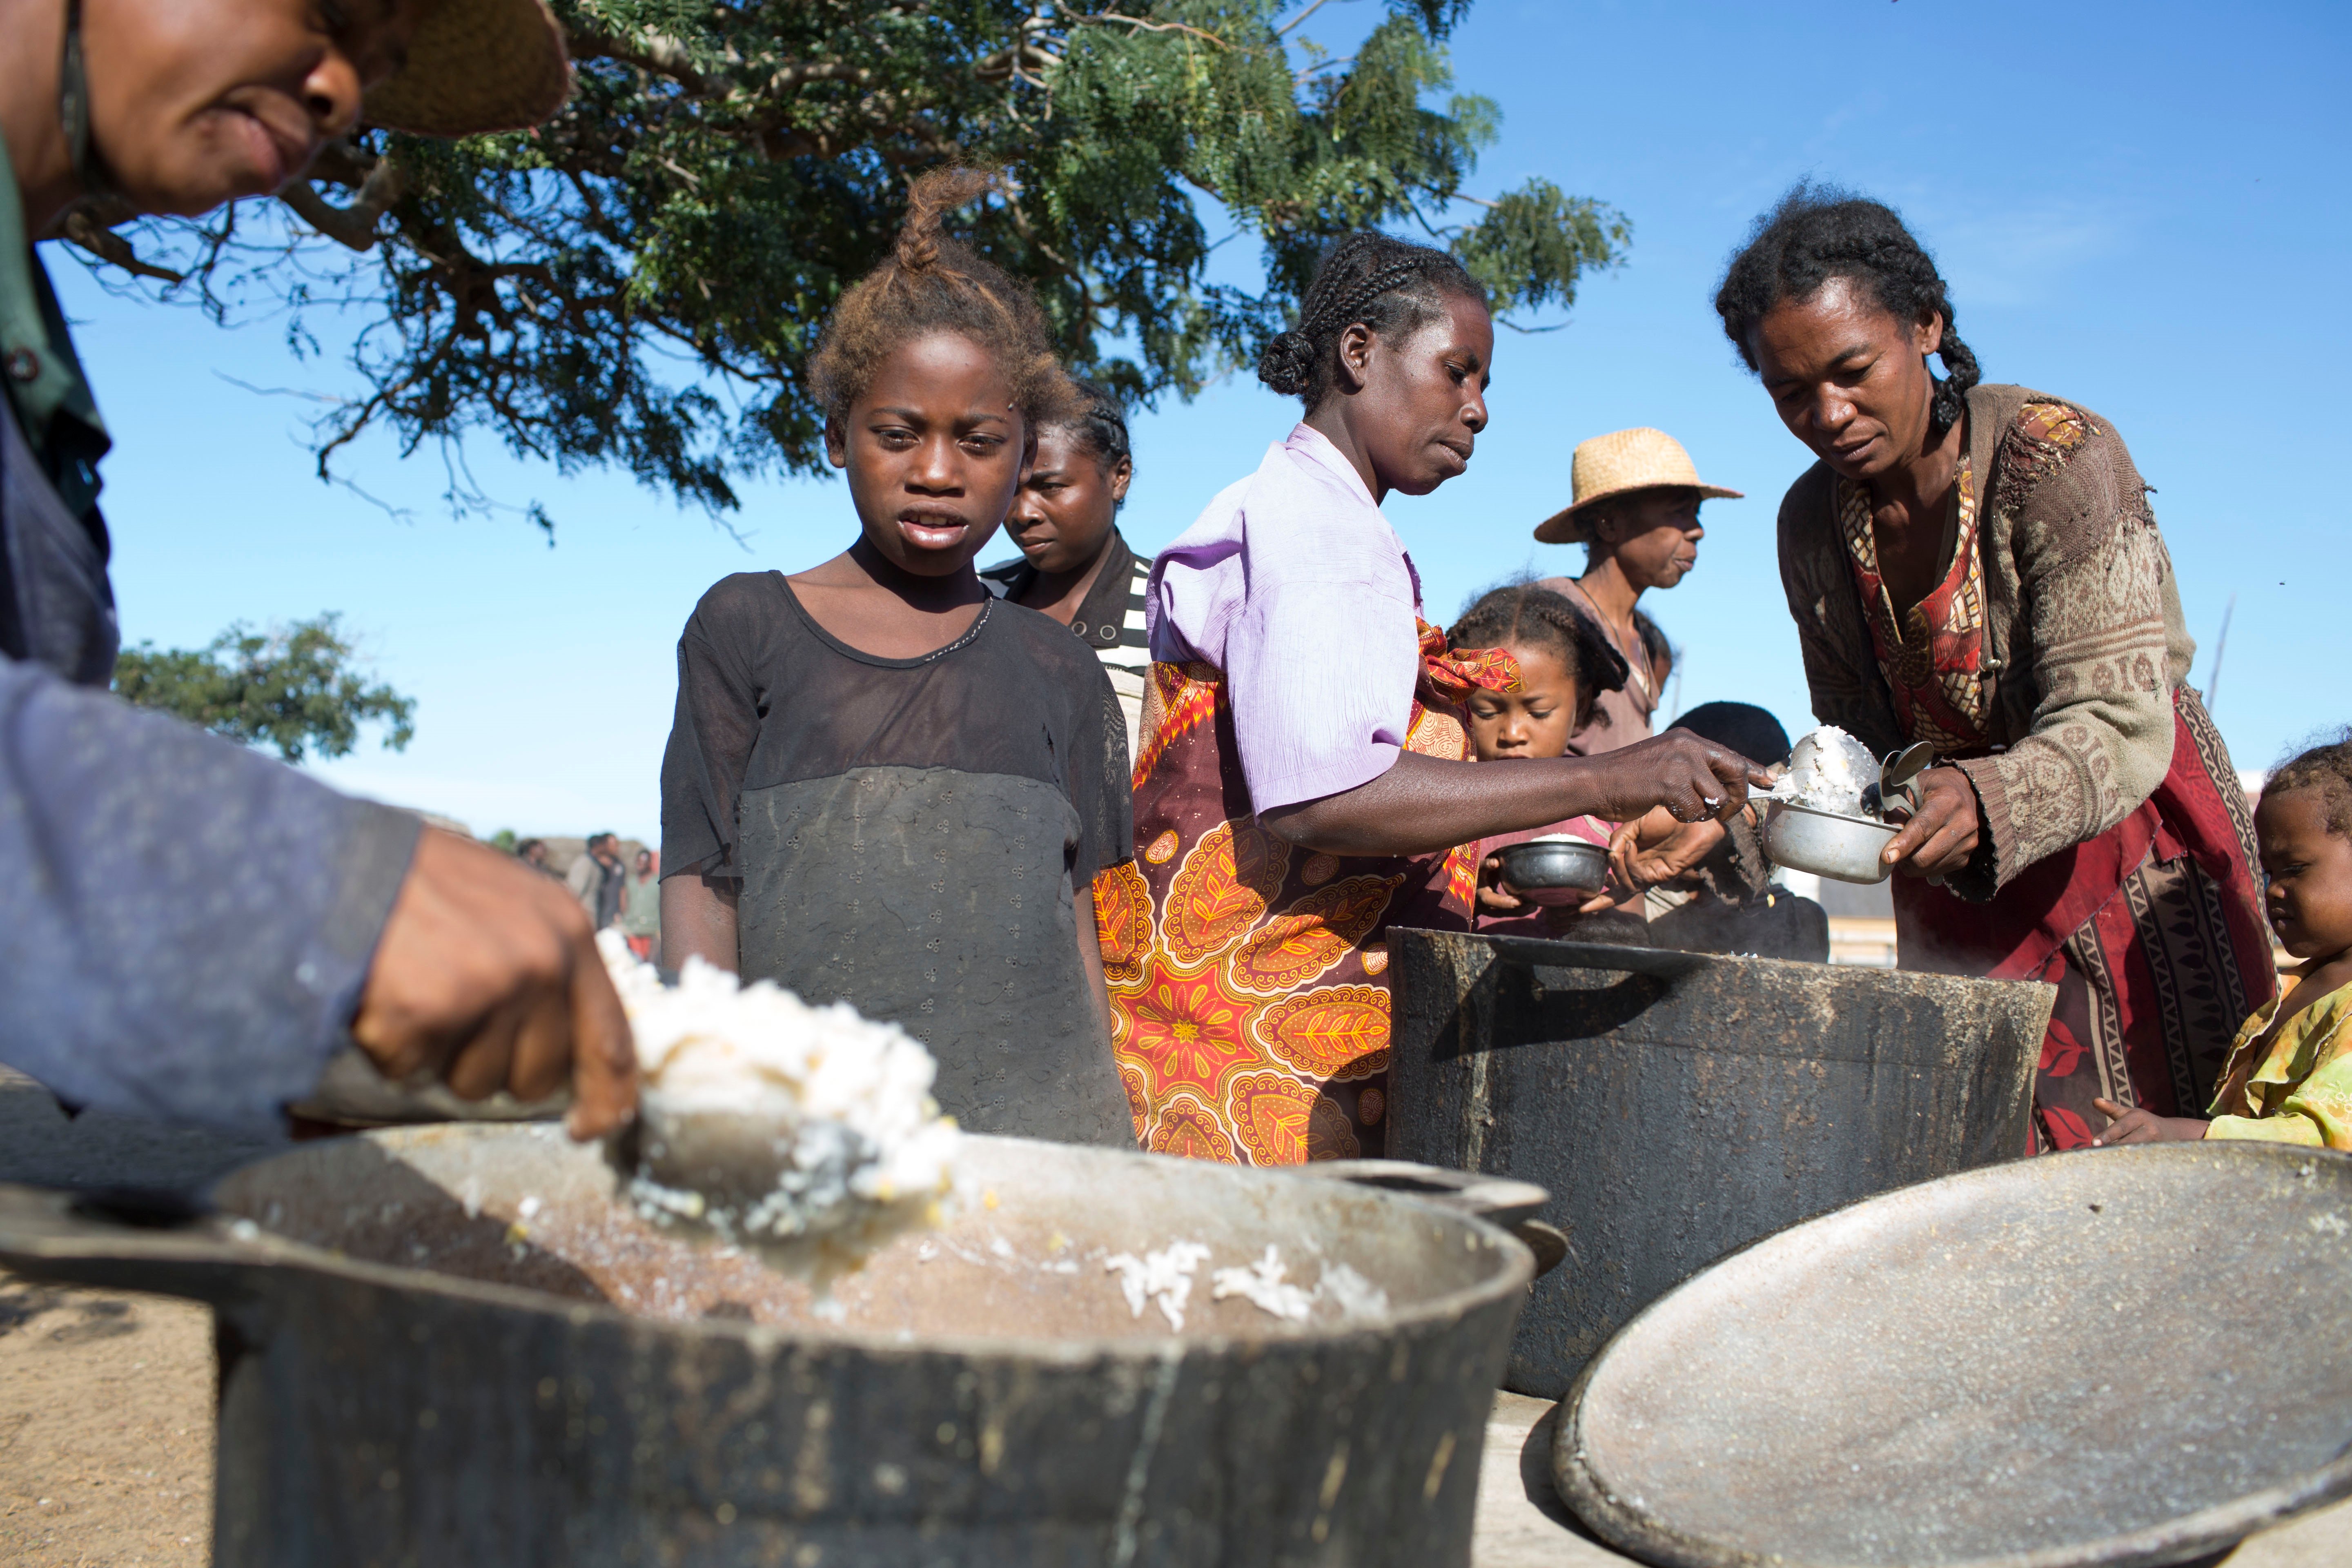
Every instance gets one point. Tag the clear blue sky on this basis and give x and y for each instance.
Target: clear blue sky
(2141, 207)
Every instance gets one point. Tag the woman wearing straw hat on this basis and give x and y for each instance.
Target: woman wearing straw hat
(1636, 514)
(1977, 567)
(196, 930)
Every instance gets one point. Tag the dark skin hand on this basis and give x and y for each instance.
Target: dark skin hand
(1851, 380)
(487, 974)
(1062, 519)
(1655, 848)
(1406, 414)
(2307, 894)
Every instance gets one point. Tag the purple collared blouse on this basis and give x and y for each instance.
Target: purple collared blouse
(1295, 586)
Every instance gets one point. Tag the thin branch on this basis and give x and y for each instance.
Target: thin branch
(397, 513)
(109, 246)
(1141, 25)
(1300, 20)
(283, 390)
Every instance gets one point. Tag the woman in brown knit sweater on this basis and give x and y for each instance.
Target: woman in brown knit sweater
(1978, 567)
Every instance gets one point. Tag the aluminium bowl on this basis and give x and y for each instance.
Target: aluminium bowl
(1843, 848)
(1555, 870)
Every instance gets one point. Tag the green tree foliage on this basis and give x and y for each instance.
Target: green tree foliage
(294, 687)
(641, 282)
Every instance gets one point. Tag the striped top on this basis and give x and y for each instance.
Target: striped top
(1110, 621)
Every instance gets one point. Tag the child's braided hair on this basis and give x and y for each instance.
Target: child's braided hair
(1817, 233)
(1522, 614)
(2325, 771)
(931, 283)
(1391, 286)
(1096, 417)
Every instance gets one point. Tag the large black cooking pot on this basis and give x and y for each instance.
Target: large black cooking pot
(451, 1346)
(1681, 1105)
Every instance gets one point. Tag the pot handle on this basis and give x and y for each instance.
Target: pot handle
(130, 1239)
(1505, 1201)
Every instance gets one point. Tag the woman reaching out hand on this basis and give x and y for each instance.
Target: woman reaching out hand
(1302, 779)
(1977, 567)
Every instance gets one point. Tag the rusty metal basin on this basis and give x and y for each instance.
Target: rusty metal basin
(2112, 1357)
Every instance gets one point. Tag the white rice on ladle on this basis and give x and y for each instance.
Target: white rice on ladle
(868, 1153)
(1831, 775)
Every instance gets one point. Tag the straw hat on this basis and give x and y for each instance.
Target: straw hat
(476, 66)
(1618, 464)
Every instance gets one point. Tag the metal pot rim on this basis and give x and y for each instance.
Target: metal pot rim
(217, 1259)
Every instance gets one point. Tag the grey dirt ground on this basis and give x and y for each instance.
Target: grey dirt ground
(106, 1399)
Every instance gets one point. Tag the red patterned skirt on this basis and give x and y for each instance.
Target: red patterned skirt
(2152, 931)
(1248, 977)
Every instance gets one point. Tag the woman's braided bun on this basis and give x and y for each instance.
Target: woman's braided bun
(1288, 362)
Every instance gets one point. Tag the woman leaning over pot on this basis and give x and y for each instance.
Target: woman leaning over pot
(1977, 567)
(1304, 781)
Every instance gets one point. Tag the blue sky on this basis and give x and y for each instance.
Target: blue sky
(2143, 208)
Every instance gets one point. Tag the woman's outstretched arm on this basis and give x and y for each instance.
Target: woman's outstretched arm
(1423, 804)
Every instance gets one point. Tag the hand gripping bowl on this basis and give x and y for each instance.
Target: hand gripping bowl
(2112, 1357)
(1843, 848)
(1555, 870)
(454, 1345)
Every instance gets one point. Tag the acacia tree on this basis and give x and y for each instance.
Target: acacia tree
(293, 688)
(641, 281)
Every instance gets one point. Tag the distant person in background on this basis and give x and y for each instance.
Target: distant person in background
(532, 852)
(596, 880)
(641, 906)
(1073, 566)
(1636, 514)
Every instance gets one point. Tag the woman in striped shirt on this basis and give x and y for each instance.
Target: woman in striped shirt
(1073, 564)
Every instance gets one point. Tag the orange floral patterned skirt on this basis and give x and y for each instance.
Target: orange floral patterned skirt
(1248, 977)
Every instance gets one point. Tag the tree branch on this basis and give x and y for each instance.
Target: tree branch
(107, 246)
(354, 226)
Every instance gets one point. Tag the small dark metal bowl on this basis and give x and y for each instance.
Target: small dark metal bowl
(1555, 870)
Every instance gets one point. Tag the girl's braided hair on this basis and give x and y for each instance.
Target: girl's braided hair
(1391, 286)
(1096, 417)
(1817, 233)
(1522, 614)
(931, 283)
(2327, 771)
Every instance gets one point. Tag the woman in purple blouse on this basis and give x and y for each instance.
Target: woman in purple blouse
(1304, 779)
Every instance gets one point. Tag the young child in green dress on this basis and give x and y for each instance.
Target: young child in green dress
(2289, 1078)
